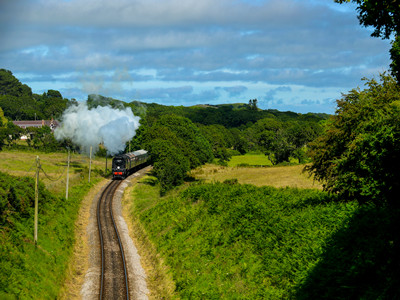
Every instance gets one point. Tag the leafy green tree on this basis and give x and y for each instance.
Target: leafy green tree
(193, 144)
(3, 136)
(20, 108)
(300, 134)
(253, 104)
(12, 133)
(3, 123)
(219, 138)
(239, 142)
(44, 139)
(3, 119)
(170, 165)
(384, 16)
(176, 145)
(395, 56)
(273, 139)
(358, 154)
(52, 104)
(9, 85)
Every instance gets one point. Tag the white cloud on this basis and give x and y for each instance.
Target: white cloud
(307, 43)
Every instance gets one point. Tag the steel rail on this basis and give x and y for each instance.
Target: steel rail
(120, 247)
(109, 190)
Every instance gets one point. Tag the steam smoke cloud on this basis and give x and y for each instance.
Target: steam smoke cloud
(90, 127)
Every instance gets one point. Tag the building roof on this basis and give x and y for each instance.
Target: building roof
(37, 123)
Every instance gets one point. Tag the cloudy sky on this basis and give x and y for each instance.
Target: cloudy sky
(297, 55)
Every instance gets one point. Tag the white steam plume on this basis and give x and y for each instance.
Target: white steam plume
(90, 127)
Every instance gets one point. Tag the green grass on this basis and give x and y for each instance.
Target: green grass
(249, 159)
(230, 241)
(277, 176)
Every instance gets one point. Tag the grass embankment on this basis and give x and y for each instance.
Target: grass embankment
(238, 241)
(213, 240)
(27, 271)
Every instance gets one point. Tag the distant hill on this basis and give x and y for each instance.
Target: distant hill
(19, 103)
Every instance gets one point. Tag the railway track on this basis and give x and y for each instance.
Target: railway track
(114, 275)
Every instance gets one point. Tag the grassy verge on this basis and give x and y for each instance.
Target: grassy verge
(28, 271)
(159, 276)
(238, 241)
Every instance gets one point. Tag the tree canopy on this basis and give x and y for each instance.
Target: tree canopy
(357, 156)
(384, 16)
(18, 102)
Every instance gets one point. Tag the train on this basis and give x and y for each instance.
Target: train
(124, 164)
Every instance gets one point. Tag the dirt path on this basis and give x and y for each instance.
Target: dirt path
(83, 275)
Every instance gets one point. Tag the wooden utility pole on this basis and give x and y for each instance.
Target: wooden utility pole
(36, 199)
(90, 162)
(66, 189)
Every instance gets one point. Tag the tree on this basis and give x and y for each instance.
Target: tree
(357, 156)
(176, 145)
(253, 104)
(12, 133)
(20, 107)
(274, 140)
(219, 138)
(9, 85)
(384, 16)
(193, 144)
(52, 104)
(395, 56)
(44, 139)
(3, 120)
(170, 165)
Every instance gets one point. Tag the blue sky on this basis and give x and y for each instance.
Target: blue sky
(297, 55)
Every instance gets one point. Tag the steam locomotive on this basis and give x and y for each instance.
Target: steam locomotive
(124, 164)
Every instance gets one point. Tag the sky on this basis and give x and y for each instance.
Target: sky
(290, 55)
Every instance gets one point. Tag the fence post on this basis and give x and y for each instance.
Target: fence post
(66, 190)
(90, 162)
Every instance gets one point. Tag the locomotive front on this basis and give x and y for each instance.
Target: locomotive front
(119, 166)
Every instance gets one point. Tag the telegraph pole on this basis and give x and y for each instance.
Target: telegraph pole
(36, 199)
(66, 190)
(90, 162)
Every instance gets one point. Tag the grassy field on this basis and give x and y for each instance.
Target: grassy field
(285, 176)
(251, 159)
(23, 163)
(257, 169)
